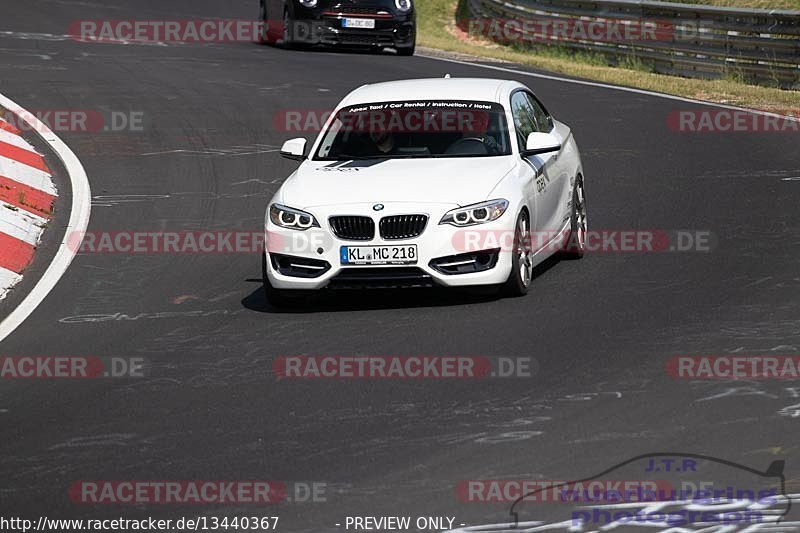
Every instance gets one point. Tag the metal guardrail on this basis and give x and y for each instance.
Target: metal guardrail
(757, 45)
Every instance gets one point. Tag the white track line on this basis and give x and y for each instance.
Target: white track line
(611, 87)
(78, 219)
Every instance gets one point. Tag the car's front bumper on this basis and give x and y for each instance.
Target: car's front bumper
(326, 28)
(311, 259)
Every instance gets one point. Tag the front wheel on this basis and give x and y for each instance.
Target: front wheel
(280, 298)
(522, 260)
(575, 245)
(406, 50)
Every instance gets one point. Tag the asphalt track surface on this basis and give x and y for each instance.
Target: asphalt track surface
(600, 329)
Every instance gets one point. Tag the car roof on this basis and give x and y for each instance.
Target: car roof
(479, 89)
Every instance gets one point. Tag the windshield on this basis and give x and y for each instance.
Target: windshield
(416, 129)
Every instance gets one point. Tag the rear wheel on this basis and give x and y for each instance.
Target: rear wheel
(267, 35)
(287, 41)
(263, 35)
(575, 245)
(522, 260)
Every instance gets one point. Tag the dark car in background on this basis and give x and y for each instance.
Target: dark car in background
(372, 24)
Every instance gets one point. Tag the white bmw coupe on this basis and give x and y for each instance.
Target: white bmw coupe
(449, 182)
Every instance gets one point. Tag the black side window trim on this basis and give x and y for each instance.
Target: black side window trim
(538, 102)
(520, 140)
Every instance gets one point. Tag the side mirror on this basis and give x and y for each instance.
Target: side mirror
(541, 143)
(294, 149)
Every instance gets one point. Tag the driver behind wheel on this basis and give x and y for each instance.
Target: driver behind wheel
(383, 140)
(477, 127)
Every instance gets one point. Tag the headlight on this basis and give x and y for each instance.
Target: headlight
(403, 5)
(476, 213)
(286, 217)
(308, 3)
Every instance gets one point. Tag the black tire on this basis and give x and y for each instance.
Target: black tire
(575, 244)
(519, 280)
(406, 50)
(279, 298)
(287, 41)
(263, 36)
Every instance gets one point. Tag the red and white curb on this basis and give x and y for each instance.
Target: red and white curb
(27, 194)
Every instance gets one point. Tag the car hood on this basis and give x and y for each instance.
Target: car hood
(457, 181)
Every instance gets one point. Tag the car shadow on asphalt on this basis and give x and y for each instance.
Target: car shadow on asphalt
(376, 299)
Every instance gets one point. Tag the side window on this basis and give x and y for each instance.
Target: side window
(544, 121)
(524, 120)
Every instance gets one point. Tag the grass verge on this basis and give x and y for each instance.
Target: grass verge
(750, 4)
(437, 30)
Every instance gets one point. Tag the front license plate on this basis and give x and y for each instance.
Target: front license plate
(358, 23)
(379, 255)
